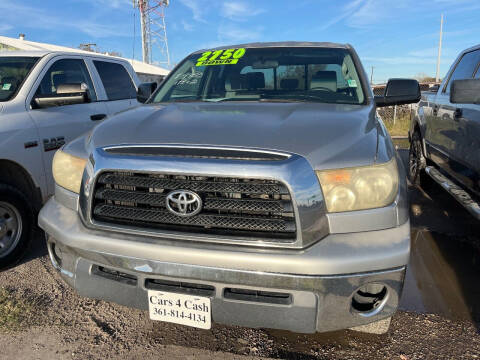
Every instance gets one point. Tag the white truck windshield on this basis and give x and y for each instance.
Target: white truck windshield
(265, 74)
(13, 71)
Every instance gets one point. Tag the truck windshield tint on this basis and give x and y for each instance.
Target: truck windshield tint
(13, 71)
(326, 75)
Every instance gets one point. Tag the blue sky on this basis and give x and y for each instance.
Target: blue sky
(399, 38)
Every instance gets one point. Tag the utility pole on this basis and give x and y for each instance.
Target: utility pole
(371, 76)
(146, 45)
(154, 30)
(437, 78)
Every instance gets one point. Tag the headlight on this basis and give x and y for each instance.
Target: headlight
(359, 188)
(68, 170)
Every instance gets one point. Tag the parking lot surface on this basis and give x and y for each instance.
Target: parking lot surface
(439, 317)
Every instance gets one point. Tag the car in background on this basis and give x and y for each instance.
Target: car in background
(257, 187)
(47, 99)
(445, 133)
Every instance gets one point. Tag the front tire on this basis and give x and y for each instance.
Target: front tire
(16, 225)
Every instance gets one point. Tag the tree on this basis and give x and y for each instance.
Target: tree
(115, 53)
(94, 48)
(424, 78)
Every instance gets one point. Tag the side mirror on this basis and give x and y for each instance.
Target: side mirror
(399, 92)
(465, 91)
(67, 94)
(145, 90)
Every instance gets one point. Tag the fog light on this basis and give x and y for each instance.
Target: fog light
(370, 299)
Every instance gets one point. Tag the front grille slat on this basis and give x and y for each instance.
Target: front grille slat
(209, 203)
(248, 205)
(131, 196)
(252, 208)
(167, 183)
(217, 221)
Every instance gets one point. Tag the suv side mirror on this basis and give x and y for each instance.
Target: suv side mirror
(399, 92)
(465, 91)
(145, 90)
(67, 94)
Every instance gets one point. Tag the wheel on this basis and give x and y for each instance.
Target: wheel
(16, 225)
(416, 160)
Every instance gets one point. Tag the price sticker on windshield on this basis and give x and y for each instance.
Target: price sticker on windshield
(221, 57)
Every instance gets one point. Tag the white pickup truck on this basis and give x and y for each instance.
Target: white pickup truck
(46, 100)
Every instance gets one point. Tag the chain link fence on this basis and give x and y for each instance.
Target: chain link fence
(396, 118)
(394, 114)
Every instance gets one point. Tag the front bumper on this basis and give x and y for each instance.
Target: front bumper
(321, 279)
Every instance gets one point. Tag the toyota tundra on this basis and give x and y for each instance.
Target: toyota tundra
(256, 187)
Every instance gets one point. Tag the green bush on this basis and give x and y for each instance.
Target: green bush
(12, 310)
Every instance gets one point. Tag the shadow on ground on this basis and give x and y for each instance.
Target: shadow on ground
(442, 277)
(36, 249)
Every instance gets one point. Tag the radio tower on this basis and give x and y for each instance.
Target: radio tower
(154, 31)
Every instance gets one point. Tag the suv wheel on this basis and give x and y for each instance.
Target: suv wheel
(15, 225)
(416, 160)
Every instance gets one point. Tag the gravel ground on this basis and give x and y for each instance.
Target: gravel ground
(60, 324)
(42, 318)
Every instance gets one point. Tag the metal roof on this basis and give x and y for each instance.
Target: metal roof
(32, 48)
(24, 53)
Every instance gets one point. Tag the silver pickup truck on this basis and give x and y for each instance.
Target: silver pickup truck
(257, 187)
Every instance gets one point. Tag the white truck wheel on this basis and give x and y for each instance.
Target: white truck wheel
(15, 225)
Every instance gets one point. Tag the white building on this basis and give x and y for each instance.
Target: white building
(146, 72)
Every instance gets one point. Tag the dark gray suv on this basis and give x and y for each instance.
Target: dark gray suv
(257, 187)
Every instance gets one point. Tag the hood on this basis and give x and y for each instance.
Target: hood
(327, 135)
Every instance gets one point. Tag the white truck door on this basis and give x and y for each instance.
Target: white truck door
(19, 136)
(58, 125)
(118, 84)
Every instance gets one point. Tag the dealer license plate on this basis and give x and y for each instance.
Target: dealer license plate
(182, 309)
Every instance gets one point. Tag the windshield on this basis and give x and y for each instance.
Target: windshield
(326, 75)
(13, 71)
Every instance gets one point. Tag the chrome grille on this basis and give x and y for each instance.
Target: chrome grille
(243, 207)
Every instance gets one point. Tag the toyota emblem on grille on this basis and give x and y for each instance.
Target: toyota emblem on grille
(184, 203)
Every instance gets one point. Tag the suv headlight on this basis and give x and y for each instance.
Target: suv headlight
(359, 188)
(68, 170)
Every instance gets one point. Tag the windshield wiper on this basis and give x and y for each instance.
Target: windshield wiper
(280, 100)
(182, 100)
(299, 98)
(262, 99)
(265, 97)
(217, 99)
(230, 99)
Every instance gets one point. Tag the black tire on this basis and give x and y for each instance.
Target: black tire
(417, 161)
(15, 242)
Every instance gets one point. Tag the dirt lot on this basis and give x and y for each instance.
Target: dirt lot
(41, 318)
